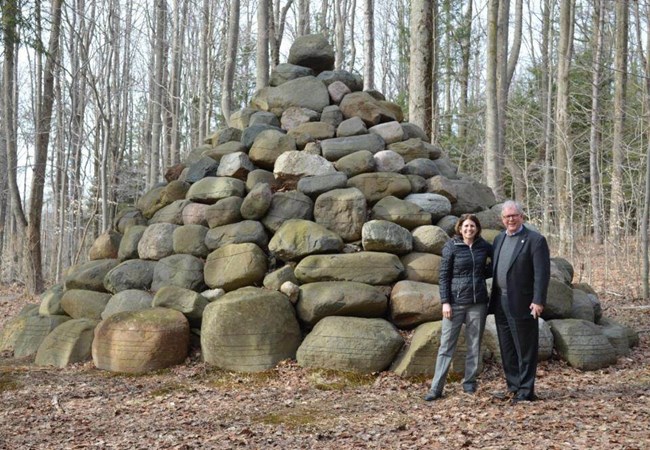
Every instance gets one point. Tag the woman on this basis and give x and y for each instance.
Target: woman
(464, 298)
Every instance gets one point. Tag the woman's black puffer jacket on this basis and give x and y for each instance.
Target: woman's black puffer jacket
(463, 271)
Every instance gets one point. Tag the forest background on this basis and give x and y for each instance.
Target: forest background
(545, 101)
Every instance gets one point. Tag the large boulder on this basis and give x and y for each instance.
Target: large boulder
(368, 108)
(246, 231)
(429, 239)
(106, 246)
(305, 92)
(337, 148)
(378, 185)
(350, 344)
(127, 300)
(268, 146)
(436, 205)
(339, 298)
(405, 213)
(424, 267)
(235, 266)
(68, 343)
(285, 206)
(89, 275)
(312, 51)
(385, 236)
(292, 166)
(413, 303)
(30, 333)
(184, 271)
(190, 303)
(51, 301)
(559, 301)
(172, 213)
(131, 274)
(471, 196)
(141, 341)
(343, 211)
(157, 241)
(84, 304)
(373, 268)
(224, 212)
(129, 243)
(249, 330)
(190, 240)
(210, 189)
(298, 238)
(582, 344)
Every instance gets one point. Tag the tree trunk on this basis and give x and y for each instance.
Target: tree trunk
(617, 197)
(563, 145)
(492, 160)
(595, 130)
(303, 18)
(231, 60)
(369, 45)
(420, 66)
(262, 53)
(465, 50)
(547, 103)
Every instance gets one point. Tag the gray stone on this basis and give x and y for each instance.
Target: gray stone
(305, 92)
(332, 114)
(286, 72)
(68, 343)
(391, 132)
(194, 214)
(293, 165)
(291, 290)
(442, 186)
(297, 238)
(235, 165)
(562, 270)
(337, 148)
(162, 196)
(296, 116)
(356, 163)
(582, 307)
(617, 336)
(128, 217)
(632, 335)
(350, 344)
(364, 267)
(241, 118)
(257, 202)
(313, 186)
(385, 236)
(141, 341)
(206, 166)
(423, 167)
(472, 197)
(234, 266)
(268, 146)
(105, 246)
(184, 271)
(264, 118)
(412, 130)
(337, 91)
(447, 168)
(313, 51)
(410, 149)
(249, 330)
(89, 275)
(490, 219)
(190, 303)
(190, 239)
(51, 301)
(369, 109)
(343, 211)
(31, 333)
(582, 344)
(413, 303)
(448, 224)
(246, 231)
(83, 304)
(418, 184)
(376, 186)
(424, 267)
(351, 80)
(131, 274)
(211, 189)
(251, 134)
(227, 148)
(274, 280)
(285, 206)
(224, 212)
(436, 205)
(261, 176)
(127, 300)
(353, 126)
(223, 135)
(172, 213)
(402, 212)
(156, 242)
(311, 132)
(559, 301)
(339, 298)
(429, 239)
(388, 161)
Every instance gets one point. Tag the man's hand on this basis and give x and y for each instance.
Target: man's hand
(536, 310)
(446, 310)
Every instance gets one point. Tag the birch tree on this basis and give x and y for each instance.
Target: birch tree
(262, 49)
(231, 60)
(420, 66)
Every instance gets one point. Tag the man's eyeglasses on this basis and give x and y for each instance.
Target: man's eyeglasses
(511, 216)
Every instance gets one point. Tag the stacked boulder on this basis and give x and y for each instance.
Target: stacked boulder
(310, 228)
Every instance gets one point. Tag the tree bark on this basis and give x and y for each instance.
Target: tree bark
(231, 60)
(369, 45)
(492, 160)
(262, 49)
(420, 66)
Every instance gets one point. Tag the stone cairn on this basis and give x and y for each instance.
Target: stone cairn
(310, 229)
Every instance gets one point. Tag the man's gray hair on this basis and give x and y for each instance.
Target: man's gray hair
(513, 204)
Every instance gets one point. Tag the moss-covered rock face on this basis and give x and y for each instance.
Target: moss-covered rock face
(319, 192)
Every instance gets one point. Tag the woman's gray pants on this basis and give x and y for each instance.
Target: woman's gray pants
(473, 316)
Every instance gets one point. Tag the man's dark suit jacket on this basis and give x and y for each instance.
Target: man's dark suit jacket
(528, 275)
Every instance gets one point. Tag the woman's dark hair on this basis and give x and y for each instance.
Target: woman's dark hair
(465, 217)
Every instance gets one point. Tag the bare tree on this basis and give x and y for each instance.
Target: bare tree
(156, 99)
(303, 18)
(563, 145)
(276, 30)
(420, 66)
(492, 159)
(617, 197)
(369, 45)
(231, 57)
(262, 60)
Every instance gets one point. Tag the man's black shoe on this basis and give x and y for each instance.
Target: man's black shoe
(504, 395)
(431, 396)
(524, 398)
(469, 389)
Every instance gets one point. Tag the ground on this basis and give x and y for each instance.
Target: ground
(197, 406)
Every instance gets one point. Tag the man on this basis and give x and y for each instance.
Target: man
(521, 272)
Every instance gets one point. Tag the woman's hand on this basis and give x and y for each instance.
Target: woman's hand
(446, 310)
